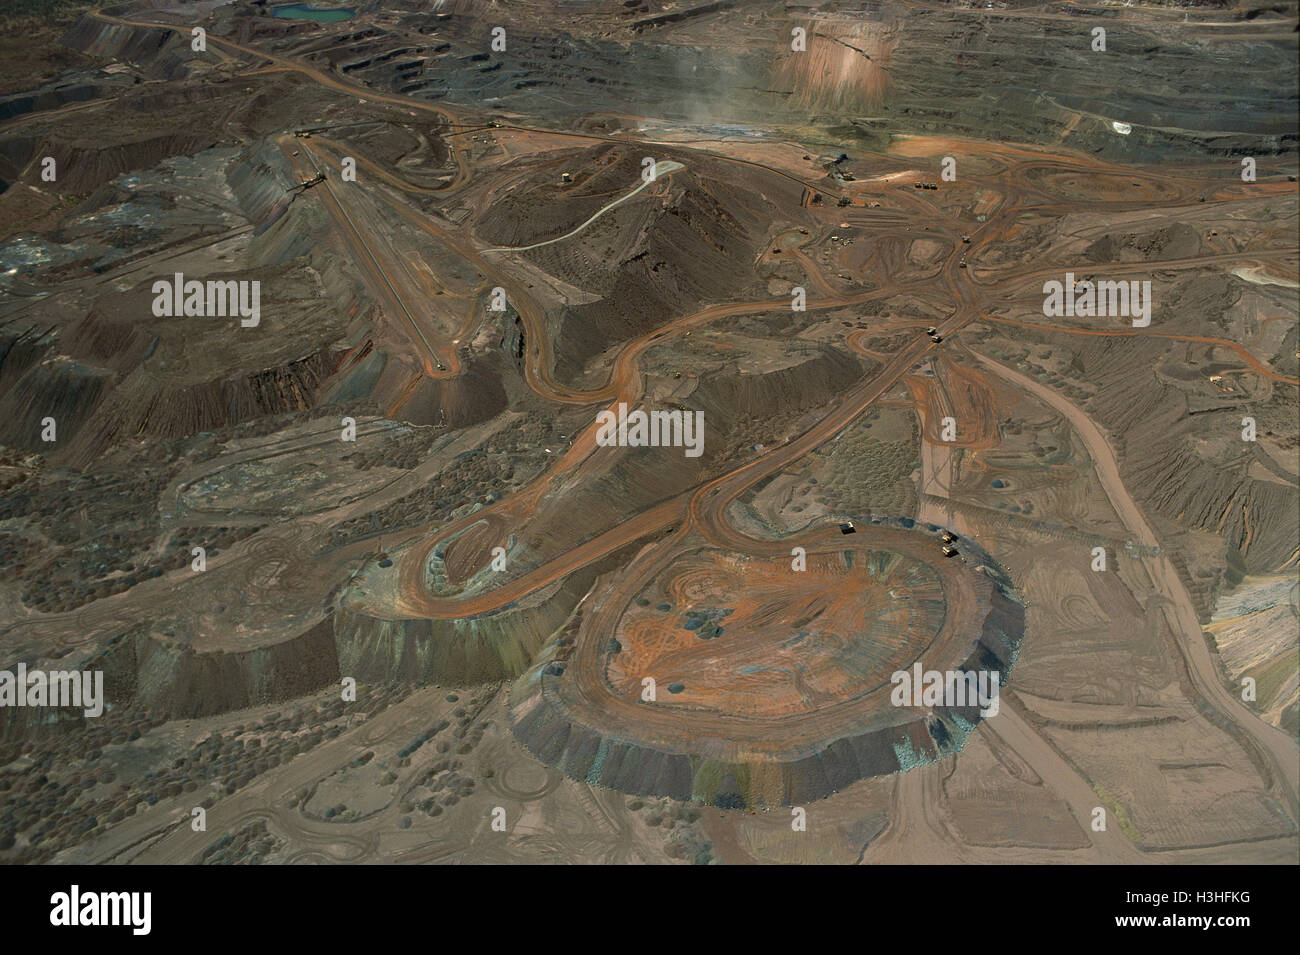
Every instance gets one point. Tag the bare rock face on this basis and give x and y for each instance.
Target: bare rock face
(1174, 476)
(483, 649)
(162, 52)
(146, 672)
(64, 390)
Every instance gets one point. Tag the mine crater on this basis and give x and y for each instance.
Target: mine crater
(749, 636)
(771, 685)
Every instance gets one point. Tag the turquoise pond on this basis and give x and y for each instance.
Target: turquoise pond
(300, 11)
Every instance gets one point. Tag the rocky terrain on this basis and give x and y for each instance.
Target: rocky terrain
(307, 335)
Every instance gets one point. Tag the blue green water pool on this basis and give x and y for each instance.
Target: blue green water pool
(301, 11)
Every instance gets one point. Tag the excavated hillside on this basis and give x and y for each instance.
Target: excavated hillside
(1167, 465)
(869, 72)
(692, 242)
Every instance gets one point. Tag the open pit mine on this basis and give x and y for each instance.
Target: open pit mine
(649, 432)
